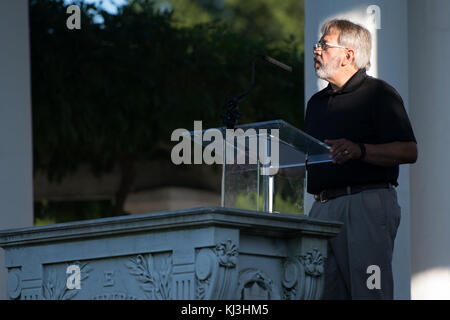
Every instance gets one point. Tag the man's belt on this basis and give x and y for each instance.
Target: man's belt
(329, 194)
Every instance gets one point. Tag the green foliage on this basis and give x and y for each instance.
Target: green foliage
(187, 13)
(280, 22)
(287, 205)
(112, 93)
(59, 212)
(275, 21)
(247, 201)
(283, 205)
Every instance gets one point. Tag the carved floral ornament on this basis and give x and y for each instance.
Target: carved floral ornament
(54, 286)
(156, 283)
(227, 254)
(313, 262)
(215, 271)
(302, 276)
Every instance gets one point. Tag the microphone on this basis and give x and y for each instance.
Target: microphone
(277, 63)
(268, 59)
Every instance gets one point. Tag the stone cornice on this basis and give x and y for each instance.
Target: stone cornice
(283, 225)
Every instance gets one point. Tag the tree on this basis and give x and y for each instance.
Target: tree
(111, 93)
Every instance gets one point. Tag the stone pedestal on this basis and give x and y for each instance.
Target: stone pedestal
(204, 253)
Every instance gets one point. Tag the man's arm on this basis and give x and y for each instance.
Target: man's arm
(386, 155)
(391, 154)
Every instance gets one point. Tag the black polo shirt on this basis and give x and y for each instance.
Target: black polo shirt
(365, 110)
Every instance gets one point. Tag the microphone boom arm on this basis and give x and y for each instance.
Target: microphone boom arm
(232, 115)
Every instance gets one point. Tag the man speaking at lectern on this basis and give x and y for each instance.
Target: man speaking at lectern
(364, 122)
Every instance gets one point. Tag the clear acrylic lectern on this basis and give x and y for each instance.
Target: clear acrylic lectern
(251, 156)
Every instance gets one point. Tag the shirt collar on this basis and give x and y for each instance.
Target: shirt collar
(352, 84)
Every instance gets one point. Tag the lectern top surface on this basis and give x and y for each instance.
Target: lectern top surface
(260, 140)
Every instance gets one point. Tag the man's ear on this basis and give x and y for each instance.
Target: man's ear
(349, 57)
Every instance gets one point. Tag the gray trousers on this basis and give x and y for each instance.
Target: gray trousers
(371, 219)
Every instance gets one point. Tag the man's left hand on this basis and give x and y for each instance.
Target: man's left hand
(344, 150)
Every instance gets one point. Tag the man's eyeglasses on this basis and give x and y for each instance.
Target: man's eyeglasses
(325, 45)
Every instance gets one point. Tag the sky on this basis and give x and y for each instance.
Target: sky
(109, 5)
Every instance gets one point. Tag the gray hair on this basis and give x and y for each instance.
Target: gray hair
(353, 36)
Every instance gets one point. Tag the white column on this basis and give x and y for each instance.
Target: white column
(390, 63)
(16, 196)
(429, 47)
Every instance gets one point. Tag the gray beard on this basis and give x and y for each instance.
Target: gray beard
(328, 70)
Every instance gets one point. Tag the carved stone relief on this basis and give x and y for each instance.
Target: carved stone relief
(254, 284)
(215, 270)
(157, 284)
(115, 296)
(14, 284)
(313, 261)
(55, 282)
(303, 276)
